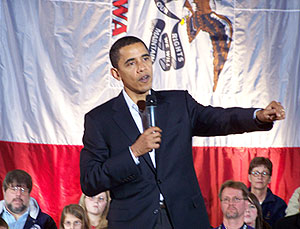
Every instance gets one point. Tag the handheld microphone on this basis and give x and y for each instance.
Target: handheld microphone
(151, 103)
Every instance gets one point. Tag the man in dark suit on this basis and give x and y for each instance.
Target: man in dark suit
(150, 173)
(289, 222)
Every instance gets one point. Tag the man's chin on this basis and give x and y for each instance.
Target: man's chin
(231, 215)
(16, 209)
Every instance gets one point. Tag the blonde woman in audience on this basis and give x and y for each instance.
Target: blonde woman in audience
(253, 214)
(294, 204)
(96, 208)
(73, 217)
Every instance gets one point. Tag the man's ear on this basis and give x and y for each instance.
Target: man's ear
(249, 178)
(270, 178)
(115, 73)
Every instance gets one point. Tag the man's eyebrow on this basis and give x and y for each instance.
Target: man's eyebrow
(131, 59)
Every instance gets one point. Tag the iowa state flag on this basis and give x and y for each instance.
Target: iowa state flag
(54, 67)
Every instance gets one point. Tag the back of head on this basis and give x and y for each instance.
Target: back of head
(114, 53)
(3, 224)
(235, 185)
(77, 211)
(17, 177)
(260, 161)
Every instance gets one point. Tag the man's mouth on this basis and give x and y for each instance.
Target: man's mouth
(18, 200)
(144, 78)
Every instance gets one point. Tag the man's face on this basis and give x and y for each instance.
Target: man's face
(233, 204)
(261, 177)
(16, 198)
(135, 70)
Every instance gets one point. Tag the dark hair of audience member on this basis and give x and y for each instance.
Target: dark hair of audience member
(17, 177)
(236, 185)
(3, 224)
(258, 161)
(77, 211)
(260, 223)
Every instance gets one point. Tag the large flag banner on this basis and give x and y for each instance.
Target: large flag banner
(54, 68)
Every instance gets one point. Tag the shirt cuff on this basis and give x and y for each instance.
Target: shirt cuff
(136, 159)
(255, 118)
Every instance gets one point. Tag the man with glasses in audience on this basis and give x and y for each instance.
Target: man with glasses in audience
(260, 173)
(18, 209)
(234, 202)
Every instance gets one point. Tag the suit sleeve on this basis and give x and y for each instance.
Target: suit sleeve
(218, 121)
(99, 171)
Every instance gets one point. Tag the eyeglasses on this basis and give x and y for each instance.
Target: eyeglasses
(76, 224)
(234, 200)
(15, 189)
(97, 199)
(257, 173)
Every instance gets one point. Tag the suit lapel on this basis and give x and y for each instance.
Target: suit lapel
(127, 124)
(124, 120)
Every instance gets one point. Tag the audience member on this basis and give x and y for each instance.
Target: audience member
(234, 201)
(293, 205)
(96, 208)
(253, 214)
(260, 174)
(3, 224)
(73, 216)
(289, 222)
(18, 209)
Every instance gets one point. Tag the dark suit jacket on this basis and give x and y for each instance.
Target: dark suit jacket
(106, 163)
(289, 222)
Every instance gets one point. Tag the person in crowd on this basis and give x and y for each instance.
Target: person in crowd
(234, 202)
(293, 205)
(289, 222)
(96, 208)
(260, 174)
(18, 208)
(149, 171)
(253, 214)
(73, 216)
(3, 224)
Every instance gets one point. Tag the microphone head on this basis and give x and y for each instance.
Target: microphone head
(151, 100)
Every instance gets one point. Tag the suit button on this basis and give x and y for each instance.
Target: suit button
(159, 181)
(155, 211)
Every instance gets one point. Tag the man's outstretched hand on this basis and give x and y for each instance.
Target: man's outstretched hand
(274, 111)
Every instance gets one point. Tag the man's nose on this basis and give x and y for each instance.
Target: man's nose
(19, 192)
(141, 66)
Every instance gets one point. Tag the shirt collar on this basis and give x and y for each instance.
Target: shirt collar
(10, 218)
(129, 101)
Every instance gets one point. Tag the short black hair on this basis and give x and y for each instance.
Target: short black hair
(258, 161)
(114, 52)
(18, 176)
